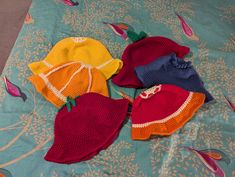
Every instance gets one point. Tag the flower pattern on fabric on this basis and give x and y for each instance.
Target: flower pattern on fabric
(114, 156)
(26, 129)
(26, 51)
(219, 78)
(2, 91)
(229, 45)
(228, 13)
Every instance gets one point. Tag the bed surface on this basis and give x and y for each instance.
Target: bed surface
(11, 20)
(26, 128)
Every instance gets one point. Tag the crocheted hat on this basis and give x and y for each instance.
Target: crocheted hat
(86, 50)
(163, 109)
(90, 127)
(143, 52)
(69, 80)
(172, 70)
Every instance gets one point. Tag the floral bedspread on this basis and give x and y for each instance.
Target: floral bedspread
(26, 128)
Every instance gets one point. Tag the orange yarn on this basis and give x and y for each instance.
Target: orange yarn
(172, 125)
(69, 79)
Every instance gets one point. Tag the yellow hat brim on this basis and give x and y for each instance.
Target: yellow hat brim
(111, 68)
(38, 67)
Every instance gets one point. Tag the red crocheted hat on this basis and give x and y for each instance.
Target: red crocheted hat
(163, 109)
(143, 52)
(91, 126)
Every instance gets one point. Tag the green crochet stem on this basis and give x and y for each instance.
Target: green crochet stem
(68, 101)
(133, 36)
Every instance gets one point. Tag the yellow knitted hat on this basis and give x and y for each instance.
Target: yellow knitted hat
(69, 80)
(86, 50)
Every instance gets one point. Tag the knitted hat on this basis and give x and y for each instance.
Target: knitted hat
(172, 70)
(143, 52)
(163, 109)
(69, 80)
(90, 127)
(86, 50)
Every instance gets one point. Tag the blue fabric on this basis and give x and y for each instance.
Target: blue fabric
(172, 70)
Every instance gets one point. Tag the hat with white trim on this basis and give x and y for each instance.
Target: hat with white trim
(83, 49)
(69, 80)
(163, 109)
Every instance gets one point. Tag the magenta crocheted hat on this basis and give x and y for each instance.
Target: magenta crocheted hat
(91, 126)
(143, 52)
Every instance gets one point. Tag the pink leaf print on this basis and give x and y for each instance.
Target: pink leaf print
(217, 155)
(28, 19)
(14, 90)
(188, 31)
(230, 104)
(69, 2)
(208, 162)
(117, 30)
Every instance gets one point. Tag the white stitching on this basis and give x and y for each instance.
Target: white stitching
(60, 67)
(58, 93)
(102, 65)
(78, 70)
(52, 88)
(47, 64)
(151, 91)
(90, 79)
(79, 39)
(168, 117)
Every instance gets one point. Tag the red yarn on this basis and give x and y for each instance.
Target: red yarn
(90, 127)
(157, 107)
(163, 109)
(144, 52)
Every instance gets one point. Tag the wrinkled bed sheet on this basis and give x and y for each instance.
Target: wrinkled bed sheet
(26, 128)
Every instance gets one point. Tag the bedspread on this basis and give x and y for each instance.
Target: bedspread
(26, 128)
